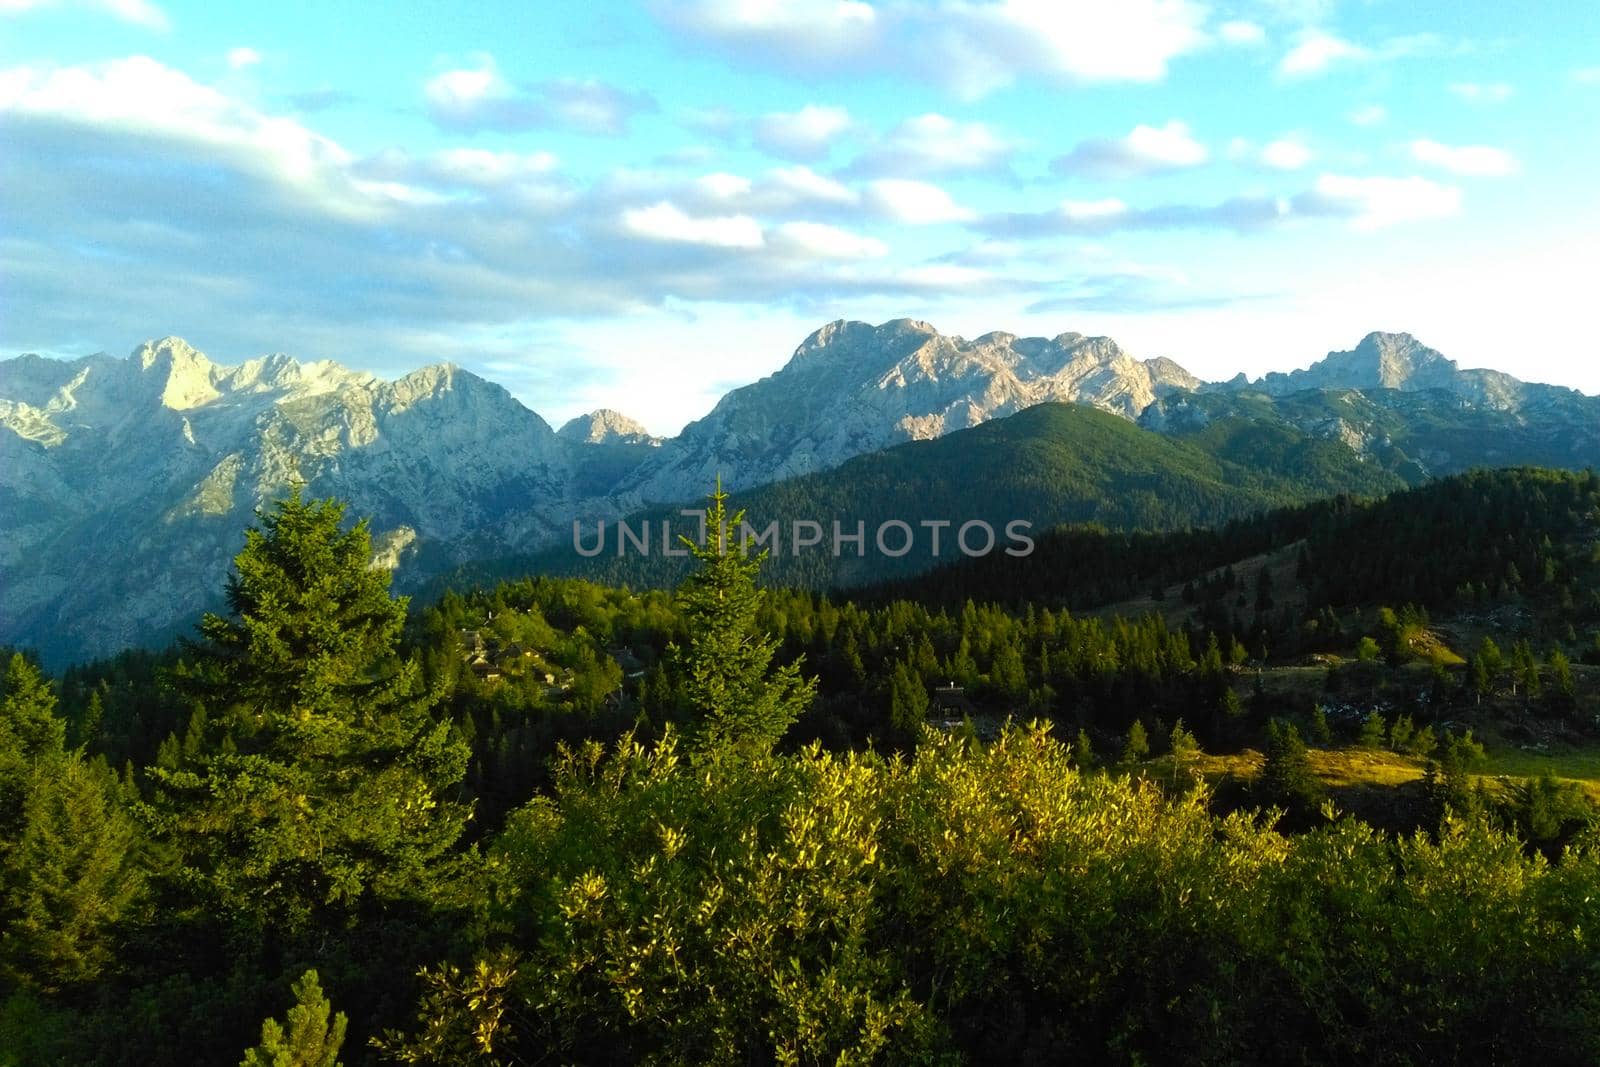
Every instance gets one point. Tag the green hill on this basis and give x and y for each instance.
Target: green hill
(1048, 465)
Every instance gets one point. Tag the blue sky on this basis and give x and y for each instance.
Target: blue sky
(641, 205)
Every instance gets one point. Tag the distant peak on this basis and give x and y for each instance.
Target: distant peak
(605, 426)
(174, 349)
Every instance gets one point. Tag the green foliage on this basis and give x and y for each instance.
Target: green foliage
(310, 1038)
(1367, 650)
(316, 776)
(991, 903)
(745, 704)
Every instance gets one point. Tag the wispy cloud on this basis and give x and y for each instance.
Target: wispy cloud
(477, 97)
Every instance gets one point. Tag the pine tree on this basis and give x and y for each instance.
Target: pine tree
(1184, 749)
(322, 774)
(311, 1038)
(1137, 745)
(908, 703)
(1373, 730)
(1286, 776)
(70, 878)
(30, 735)
(744, 703)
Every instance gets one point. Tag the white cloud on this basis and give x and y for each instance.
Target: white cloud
(138, 12)
(971, 48)
(665, 221)
(820, 241)
(141, 97)
(914, 203)
(1375, 203)
(806, 134)
(987, 45)
(1369, 115)
(478, 97)
(1146, 150)
(239, 58)
(1093, 210)
(1286, 153)
(935, 144)
(1316, 50)
(1479, 93)
(722, 186)
(1240, 31)
(1477, 161)
(1587, 75)
(801, 184)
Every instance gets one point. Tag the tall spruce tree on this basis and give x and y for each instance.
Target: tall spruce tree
(741, 702)
(323, 778)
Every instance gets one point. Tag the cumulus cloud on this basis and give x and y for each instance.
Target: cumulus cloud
(1476, 161)
(934, 144)
(136, 12)
(1482, 93)
(807, 134)
(477, 97)
(970, 48)
(1146, 150)
(240, 58)
(162, 195)
(915, 203)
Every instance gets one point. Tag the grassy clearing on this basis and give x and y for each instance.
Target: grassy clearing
(1346, 769)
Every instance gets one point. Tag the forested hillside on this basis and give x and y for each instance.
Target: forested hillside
(555, 820)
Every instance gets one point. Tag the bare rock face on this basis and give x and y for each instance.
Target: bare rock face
(125, 485)
(852, 388)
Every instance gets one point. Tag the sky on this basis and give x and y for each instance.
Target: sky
(643, 205)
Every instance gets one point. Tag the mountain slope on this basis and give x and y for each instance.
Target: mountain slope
(1051, 463)
(133, 480)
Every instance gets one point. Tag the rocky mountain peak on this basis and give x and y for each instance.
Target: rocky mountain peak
(605, 426)
(187, 379)
(1394, 360)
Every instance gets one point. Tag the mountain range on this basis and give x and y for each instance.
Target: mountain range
(125, 484)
